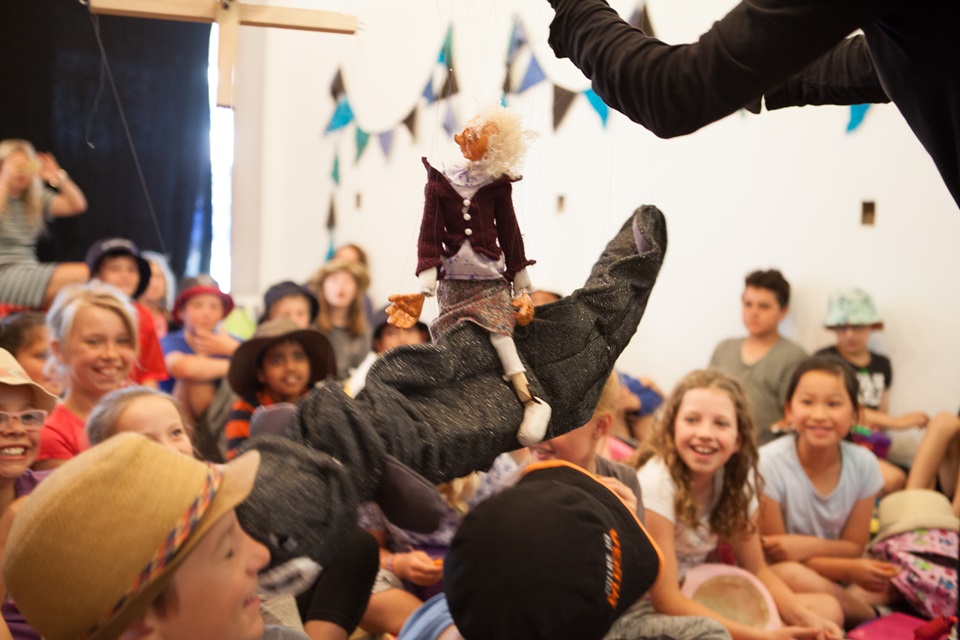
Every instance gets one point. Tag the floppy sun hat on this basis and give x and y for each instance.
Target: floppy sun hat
(851, 307)
(12, 373)
(98, 541)
(243, 364)
(734, 593)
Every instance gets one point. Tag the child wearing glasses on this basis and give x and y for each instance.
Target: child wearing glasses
(853, 317)
(24, 406)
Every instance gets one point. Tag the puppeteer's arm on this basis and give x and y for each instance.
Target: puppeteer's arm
(675, 90)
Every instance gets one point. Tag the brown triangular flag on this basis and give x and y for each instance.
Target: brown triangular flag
(562, 99)
(336, 87)
(410, 122)
(641, 20)
(331, 215)
(450, 84)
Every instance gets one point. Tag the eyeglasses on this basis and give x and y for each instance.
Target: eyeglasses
(31, 420)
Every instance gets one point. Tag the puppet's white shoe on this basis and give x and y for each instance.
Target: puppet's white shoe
(536, 418)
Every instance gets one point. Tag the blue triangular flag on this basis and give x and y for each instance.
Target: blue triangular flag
(857, 114)
(450, 122)
(518, 39)
(386, 141)
(598, 105)
(342, 115)
(428, 92)
(362, 139)
(534, 75)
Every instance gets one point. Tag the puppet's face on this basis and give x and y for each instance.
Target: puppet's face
(474, 138)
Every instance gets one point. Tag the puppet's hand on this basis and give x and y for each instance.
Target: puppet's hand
(524, 306)
(405, 309)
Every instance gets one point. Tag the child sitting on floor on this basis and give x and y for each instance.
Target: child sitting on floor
(289, 300)
(339, 287)
(24, 405)
(26, 336)
(279, 364)
(698, 473)
(820, 491)
(852, 316)
(198, 355)
(117, 261)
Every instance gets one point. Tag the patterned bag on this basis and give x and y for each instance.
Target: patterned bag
(928, 568)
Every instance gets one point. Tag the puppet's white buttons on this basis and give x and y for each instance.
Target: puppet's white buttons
(466, 216)
(466, 202)
(469, 232)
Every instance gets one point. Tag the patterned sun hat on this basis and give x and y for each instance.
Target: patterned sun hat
(851, 307)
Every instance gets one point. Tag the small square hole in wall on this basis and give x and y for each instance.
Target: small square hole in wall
(359, 201)
(868, 212)
(561, 203)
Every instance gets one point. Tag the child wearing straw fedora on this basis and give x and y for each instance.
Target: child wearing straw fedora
(181, 569)
(24, 405)
(279, 364)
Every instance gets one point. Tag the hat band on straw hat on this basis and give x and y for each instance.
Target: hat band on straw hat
(171, 545)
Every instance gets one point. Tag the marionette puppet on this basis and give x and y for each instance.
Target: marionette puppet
(471, 244)
(441, 411)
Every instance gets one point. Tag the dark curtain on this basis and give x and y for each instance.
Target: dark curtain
(49, 82)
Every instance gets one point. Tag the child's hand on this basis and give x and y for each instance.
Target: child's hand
(49, 167)
(524, 309)
(405, 309)
(622, 491)
(797, 633)
(912, 419)
(872, 575)
(209, 343)
(417, 567)
(781, 548)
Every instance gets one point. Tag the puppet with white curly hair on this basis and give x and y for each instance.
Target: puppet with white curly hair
(470, 243)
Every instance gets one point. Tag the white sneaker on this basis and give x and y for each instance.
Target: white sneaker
(533, 427)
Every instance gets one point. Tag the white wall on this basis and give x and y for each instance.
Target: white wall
(779, 190)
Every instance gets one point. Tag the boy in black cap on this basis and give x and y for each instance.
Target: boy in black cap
(117, 261)
(288, 299)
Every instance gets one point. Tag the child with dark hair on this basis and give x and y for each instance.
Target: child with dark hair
(26, 336)
(764, 360)
(852, 316)
(288, 299)
(279, 363)
(820, 489)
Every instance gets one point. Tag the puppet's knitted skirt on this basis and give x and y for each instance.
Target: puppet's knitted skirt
(483, 302)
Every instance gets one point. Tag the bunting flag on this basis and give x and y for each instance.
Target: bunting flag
(518, 40)
(336, 87)
(450, 122)
(428, 92)
(386, 142)
(331, 225)
(342, 115)
(410, 122)
(446, 58)
(442, 82)
(335, 173)
(533, 76)
(598, 105)
(362, 138)
(641, 20)
(449, 85)
(562, 100)
(857, 113)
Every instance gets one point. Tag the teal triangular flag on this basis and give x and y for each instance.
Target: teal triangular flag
(362, 139)
(342, 115)
(444, 57)
(857, 114)
(335, 174)
(598, 105)
(518, 39)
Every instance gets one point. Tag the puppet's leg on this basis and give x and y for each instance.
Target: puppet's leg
(536, 412)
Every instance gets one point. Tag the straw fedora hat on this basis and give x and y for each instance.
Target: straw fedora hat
(12, 373)
(911, 509)
(96, 543)
(245, 360)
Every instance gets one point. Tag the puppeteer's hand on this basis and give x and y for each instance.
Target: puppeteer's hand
(524, 306)
(404, 310)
